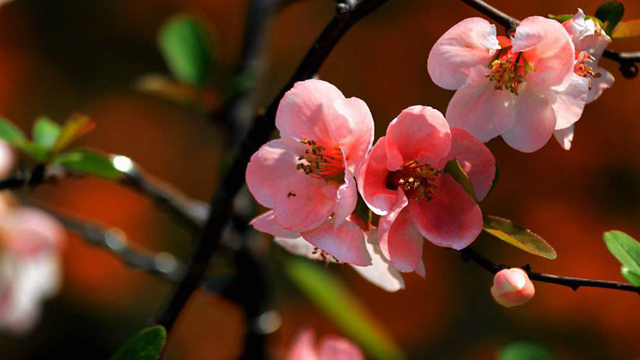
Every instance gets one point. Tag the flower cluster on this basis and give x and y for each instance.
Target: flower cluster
(330, 348)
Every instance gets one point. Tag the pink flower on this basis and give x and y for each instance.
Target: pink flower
(7, 159)
(590, 41)
(402, 181)
(517, 87)
(307, 176)
(29, 266)
(512, 287)
(331, 348)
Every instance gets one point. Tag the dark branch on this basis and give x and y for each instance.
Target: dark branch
(570, 282)
(627, 61)
(263, 125)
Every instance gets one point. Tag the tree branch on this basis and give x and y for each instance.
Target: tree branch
(571, 282)
(262, 126)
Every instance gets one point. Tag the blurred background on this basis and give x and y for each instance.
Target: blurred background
(59, 57)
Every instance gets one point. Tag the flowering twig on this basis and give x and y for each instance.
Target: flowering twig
(262, 126)
(626, 60)
(572, 282)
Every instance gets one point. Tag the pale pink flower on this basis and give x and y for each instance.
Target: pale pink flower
(30, 244)
(330, 348)
(516, 88)
(590, 41)
(307, 176)
(7, 159)
(403, 182)
(512, 287)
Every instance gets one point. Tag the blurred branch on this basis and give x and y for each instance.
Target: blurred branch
(626, 60)
(570, 282)
(114, 240)
(262, 126)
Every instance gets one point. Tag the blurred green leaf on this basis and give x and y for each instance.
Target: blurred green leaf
(630, 276)
(518, 236)
(145, 345)
(610, 13)
(87, 162)
(454, 169)
(11, 134)
(36, 151)
(526, 350)
(627, 250)
(45, 132)
(334, 299)
(560, 18)
(177, 92)
(187, 47)
(75, 127)
(627, 29)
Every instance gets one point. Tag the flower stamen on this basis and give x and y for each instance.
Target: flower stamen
(322, 163)
(417, 181)
(508, 70)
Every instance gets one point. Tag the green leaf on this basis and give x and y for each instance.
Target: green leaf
(46, 132)
(627, 29)
(187, 47)
(145, 345)
(526, 350)
(560, 18)
(87, 162)
(627, 250)
(329, 294)
(454, 169)
(36, 151)
(630, 276)
(75, 127)
(518, 236)
(11, 134)
(610, 13)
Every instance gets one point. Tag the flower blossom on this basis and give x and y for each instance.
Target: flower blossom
(330, 348)
(512, 287)
(590, 41)
(30, 245)
(516, 87)
(307, 176)
(403, 181)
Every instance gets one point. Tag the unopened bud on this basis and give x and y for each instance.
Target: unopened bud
(512, 287)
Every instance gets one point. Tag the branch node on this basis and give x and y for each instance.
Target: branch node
(629, 70)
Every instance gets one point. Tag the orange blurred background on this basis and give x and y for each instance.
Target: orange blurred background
(59, 57)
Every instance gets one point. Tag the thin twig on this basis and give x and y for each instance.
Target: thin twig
(258, 134)
(571, 282)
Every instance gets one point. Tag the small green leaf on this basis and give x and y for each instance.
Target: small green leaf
(87, 162)
(334, 299)
(560, 18)
(630, 276)
(145, 345)
(454, 169)
(74, 128)
(36, 151)
(626, 249)
(46, 132)
(610, 13)
(187, 47)
(11, 134)
(627, 29)
(526, 350)
(518, 236)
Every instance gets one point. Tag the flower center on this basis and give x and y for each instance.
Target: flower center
(322, 163)
(581, 68)
(417, 181)
(508, 70)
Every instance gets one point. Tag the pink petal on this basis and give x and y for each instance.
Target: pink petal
(353, 130)
(451, 219)
(266, 223)
(336, 348)
(469, 43)
(301, 247)
(535, 122)
(400, 240)
(7, 159)
(346, 242)
(480, 109)
(419, 133)
(305, 112)
(548, 48)
(29, 231)
(270, 165)
(380, 272)
(304, 203)
(421, 270)
(303, 347)
(346, 199)
(475, 159)
(372, 181)
(564, 137)
(568, 104)
(598, 85)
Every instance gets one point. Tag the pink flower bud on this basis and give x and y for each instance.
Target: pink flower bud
(512, 287)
